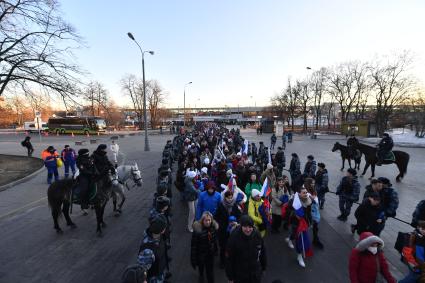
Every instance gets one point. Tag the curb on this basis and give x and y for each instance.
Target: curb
(24, 179)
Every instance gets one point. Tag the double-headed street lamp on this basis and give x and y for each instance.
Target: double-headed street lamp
(184, 103)
(145, 117)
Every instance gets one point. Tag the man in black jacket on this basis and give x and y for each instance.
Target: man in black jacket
(85, 178)
(245, 253)
(102, 163)
(384, 146)
(280, 160)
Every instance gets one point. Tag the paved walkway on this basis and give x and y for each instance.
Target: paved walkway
(33, 252)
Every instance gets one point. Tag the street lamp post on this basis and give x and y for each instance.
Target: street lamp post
(145, 117)
(184, 103)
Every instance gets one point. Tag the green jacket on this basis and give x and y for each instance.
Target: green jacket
(249, 187)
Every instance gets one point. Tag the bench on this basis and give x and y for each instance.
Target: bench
(93, 141)
(114, 137)
(122, 136)
(79, 142)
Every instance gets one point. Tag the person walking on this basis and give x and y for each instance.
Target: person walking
(280, 195)
(115, 148)
(204, 246)
(190, 195)
(367, 262)
(246, 257)
(226, 209)
(322, 180)
(254, 205)
(309, 184)
(50, 156)
(208, 200)
(348, 191)
(414, 255)
(28, 145)
(389, 199)
(273, 140)
(69, 158)
(251, 185)
(154, 242)
(369, 218)
(284, 140)
(310, 167)
(280, 160)
(294, 168)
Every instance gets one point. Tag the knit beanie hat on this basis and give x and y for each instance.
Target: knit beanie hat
(269, 166)
(255, 193)
(246, 220)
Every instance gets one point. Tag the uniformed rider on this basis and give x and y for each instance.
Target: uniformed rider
(102, 163)
(384, 146)
(85, 178)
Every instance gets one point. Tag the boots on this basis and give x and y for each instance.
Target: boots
(317, 243)
(290, 245)
(300, 260)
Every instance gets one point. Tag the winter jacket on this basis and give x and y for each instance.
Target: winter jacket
(280, 158)
(419, 213)
(273, 138)
(158, 247)
(115, 148)
(386, 144)
(190, 193)
(254, 213)
(69, 156)
(245, 257)
(349, 189)
(389, 200)
(310, 169)
(295, 167)
(49, 158)
(415, 255)
(269, 173)
(102, 163)
(222, 218)
(86, 166)
(322, 180)
(277, 200)
(363, 266)
(367, 216)
(204, 242)
(207, 202)
(238, 195)
(250, 186)
(293, 218)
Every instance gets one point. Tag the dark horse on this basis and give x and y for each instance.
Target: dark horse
(345, 154)
(59, 198)
(401, 159)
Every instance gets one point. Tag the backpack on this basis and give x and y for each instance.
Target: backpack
(23, 143)
(133, 274)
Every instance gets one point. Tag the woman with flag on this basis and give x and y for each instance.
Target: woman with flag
(280, 196)
(252, 184)
(300, 220)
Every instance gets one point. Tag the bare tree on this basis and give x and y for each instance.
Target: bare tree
(342, 86)
(288, 101)
(362, 89)
(97, 96)
(133, 87)
(302, 91)
(318, 85)
(36, 47)
(391, 84)
(155, 98)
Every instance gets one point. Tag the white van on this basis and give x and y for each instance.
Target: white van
(33, 126)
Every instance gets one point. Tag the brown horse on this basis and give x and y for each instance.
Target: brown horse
(59, 198)
(345, 154)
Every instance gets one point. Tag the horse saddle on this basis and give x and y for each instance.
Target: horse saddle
(75, 198)
(389, 156)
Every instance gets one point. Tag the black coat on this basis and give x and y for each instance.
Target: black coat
(85, 165)
(102, 163)
(245, 257)
(222, 217)
(367, 215)
(203, 244)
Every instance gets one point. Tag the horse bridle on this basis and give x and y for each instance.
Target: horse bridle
(133, 174)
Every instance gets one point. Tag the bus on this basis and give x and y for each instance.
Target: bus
(76, 125)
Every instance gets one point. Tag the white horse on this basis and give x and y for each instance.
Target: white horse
(124, 174)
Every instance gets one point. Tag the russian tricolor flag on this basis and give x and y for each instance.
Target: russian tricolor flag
(265, 189)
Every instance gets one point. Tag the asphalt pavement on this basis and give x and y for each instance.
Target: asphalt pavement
(33, 252)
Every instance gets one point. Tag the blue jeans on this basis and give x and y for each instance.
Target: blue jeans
(50, 172)
(67, 165)
(410, 278)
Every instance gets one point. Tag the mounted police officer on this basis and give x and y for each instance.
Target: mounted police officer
(86, 177)
(102, 163)
(384, 147)
(352, 143)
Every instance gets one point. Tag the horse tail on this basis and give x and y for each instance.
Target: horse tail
(405, 162)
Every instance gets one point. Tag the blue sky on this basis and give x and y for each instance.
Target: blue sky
(236, 49)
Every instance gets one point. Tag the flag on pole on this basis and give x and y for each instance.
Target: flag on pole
(297, 205)
(230, 184)
(245, 149)
(266, 207)
(265, 189)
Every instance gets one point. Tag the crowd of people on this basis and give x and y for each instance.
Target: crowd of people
(237, 193)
